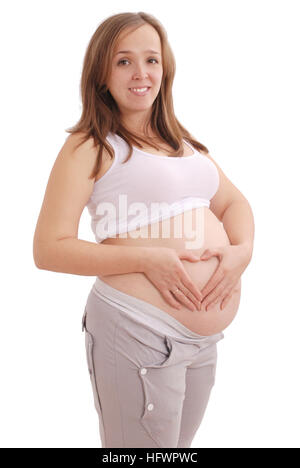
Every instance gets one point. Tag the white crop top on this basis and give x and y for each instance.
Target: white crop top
(148, 188)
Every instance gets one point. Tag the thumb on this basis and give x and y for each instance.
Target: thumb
(187, 255)
(206, 254)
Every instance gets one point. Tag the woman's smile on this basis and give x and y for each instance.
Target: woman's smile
(140, 91)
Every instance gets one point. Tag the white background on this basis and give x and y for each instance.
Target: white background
(237, 90)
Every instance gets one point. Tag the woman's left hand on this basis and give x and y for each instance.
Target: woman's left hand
(234, 259)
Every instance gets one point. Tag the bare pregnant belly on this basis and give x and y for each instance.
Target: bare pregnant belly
(203, 230)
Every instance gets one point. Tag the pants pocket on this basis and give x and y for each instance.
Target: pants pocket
(164, 390)
(83, 320)
(89, 345)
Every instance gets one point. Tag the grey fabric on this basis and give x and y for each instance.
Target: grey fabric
(150, 388)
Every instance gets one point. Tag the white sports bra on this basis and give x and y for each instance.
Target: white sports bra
(148, 188)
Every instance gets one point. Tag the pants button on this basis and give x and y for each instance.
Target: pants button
(143, 371)
(150, 407)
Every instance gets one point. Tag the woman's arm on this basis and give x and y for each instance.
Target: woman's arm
(232, 208)
(80, 257)
(55, 245)
(238, 222)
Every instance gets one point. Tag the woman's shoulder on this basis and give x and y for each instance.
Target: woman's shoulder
(78, 145)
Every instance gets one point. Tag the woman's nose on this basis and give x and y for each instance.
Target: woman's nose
(140, 72)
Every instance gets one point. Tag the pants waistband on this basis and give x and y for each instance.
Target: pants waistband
(146, 312)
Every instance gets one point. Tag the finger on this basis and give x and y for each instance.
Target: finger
(184, 300)
(214, 297)
(225, 301)
(213, 282)
(190, 296)
(191, 286)
(227, 298)
(219, 300)
(208, 253)
(170, 299)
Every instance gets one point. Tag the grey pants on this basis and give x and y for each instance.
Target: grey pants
(151, 376)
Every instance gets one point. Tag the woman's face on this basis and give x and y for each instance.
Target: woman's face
(136, 68)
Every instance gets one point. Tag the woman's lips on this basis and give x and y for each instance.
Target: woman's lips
(136, 93)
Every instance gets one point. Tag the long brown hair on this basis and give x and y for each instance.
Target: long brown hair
(100, 113)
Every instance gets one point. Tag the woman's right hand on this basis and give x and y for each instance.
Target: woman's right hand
(163, 267)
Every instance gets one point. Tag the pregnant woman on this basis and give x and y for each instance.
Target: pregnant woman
(173, 237)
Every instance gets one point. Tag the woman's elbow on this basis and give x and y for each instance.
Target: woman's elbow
(39, 250)
(37, 257)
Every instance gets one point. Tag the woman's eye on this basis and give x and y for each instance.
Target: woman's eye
(121, 61)
(125, 60)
